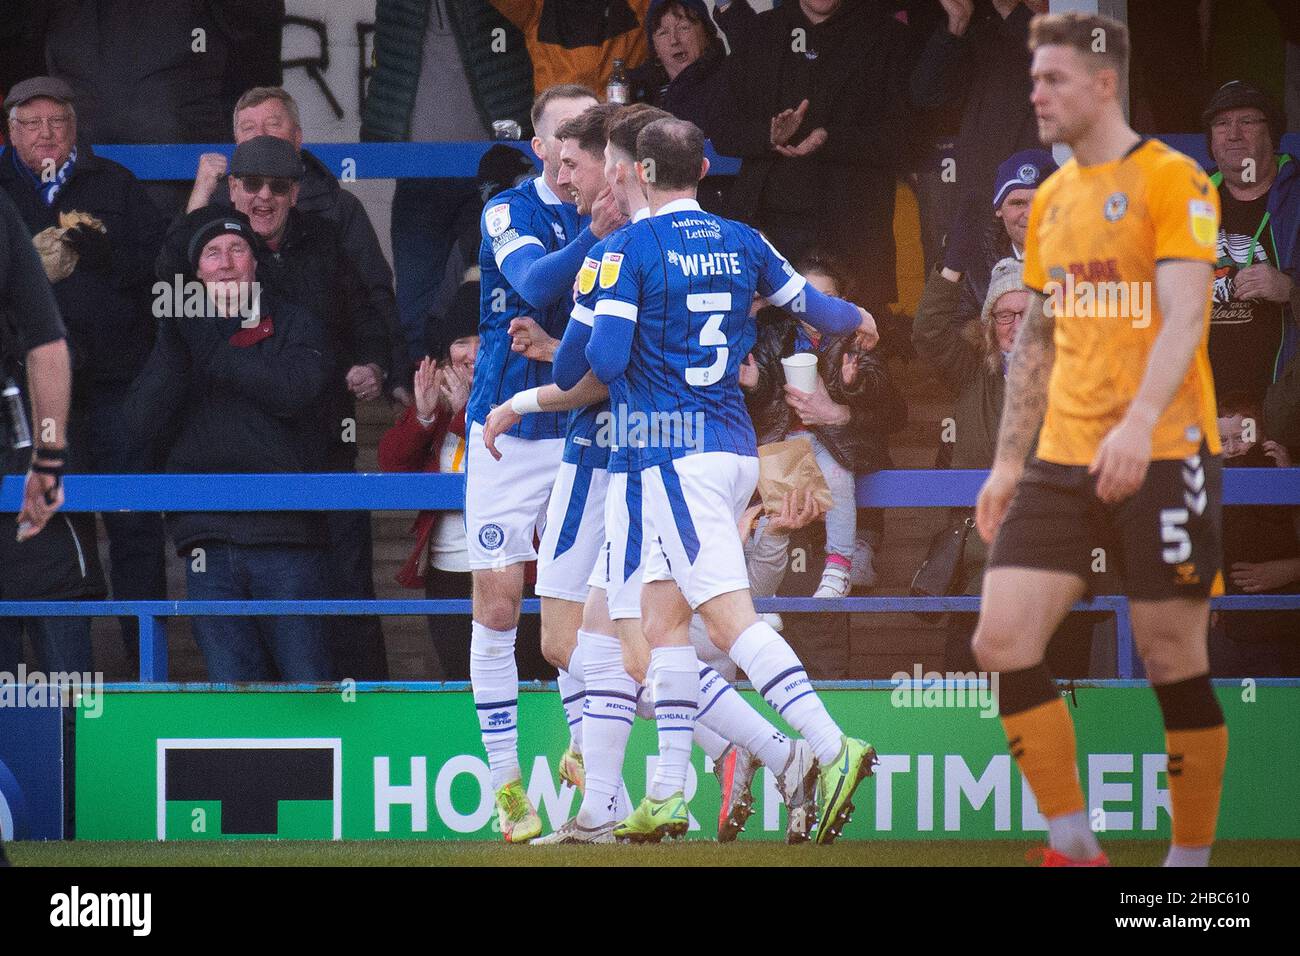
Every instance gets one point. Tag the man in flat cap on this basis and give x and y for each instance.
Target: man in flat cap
(98, 233)
(236, 389)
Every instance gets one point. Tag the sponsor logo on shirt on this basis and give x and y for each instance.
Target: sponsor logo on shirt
(611, 264)
(497, 219)
(1205, 225)
(587, 275)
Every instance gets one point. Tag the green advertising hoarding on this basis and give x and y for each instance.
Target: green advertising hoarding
(410, 765)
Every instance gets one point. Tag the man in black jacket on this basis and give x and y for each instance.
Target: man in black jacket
(997, 121)
(31, 333)
(41, 555)
(236, 390)
(822, 91)
(270, 111)
(102, 282)
(306, 263)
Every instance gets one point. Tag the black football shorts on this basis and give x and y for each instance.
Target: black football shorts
(1163, 542)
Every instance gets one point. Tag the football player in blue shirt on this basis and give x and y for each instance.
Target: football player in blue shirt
(579, 505)
(533, 245)
(672, 322)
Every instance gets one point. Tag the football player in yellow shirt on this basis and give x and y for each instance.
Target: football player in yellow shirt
(1112, 362)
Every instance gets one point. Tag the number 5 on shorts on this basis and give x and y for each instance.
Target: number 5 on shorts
(1172, 533)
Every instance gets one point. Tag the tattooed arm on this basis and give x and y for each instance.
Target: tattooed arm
(1022, 414)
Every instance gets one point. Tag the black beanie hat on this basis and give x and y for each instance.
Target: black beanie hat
(208, 222)
(1235, 95)
(461, 320)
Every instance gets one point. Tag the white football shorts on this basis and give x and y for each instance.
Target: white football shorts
(618, 567)
(575, 532)
(691, 508)
(505, 501)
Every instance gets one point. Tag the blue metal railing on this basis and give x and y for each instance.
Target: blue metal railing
(346, 161)
(400, 492)
(449, 160)
(920, 488)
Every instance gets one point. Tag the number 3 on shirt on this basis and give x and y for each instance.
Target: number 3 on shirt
(718, 304)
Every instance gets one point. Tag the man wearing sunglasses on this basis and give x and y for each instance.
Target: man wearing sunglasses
(270, 111)
(307, 263)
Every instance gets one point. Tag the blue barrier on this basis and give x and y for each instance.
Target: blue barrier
(413, 492)
(403, 492)
(418, 160)
(346, 160)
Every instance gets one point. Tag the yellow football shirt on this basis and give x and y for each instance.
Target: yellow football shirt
(1095, 236)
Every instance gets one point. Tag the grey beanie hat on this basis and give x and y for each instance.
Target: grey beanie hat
(1008, 276)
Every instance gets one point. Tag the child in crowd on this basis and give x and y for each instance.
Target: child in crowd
(1261, 555)
(847, 418)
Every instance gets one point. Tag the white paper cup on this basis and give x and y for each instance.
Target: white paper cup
(801, 371)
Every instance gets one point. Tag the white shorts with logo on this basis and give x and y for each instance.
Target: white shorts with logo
(618, 567)
(505, 501)
(691, 508)
(575, 532)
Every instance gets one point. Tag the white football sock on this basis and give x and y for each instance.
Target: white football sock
(710, 742)
(495, 678)
(730, 716)
(1188, 856)
(607, 722)
(675, 681)
(573, 692)
(1072, 835)
(782, 681)
(645, 700)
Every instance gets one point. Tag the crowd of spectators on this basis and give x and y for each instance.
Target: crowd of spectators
(828, 105)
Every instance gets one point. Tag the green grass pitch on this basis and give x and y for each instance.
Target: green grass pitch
(685, 853)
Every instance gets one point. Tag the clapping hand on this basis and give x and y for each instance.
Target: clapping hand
(428, 386)
(811, 143)
(455, 385)
(786, 123)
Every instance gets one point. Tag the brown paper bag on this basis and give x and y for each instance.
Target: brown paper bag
(786, 466)
(59, 258)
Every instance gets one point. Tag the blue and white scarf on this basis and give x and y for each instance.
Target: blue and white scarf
(48, 190)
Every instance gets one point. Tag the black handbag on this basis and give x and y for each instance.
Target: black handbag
(943, 572)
